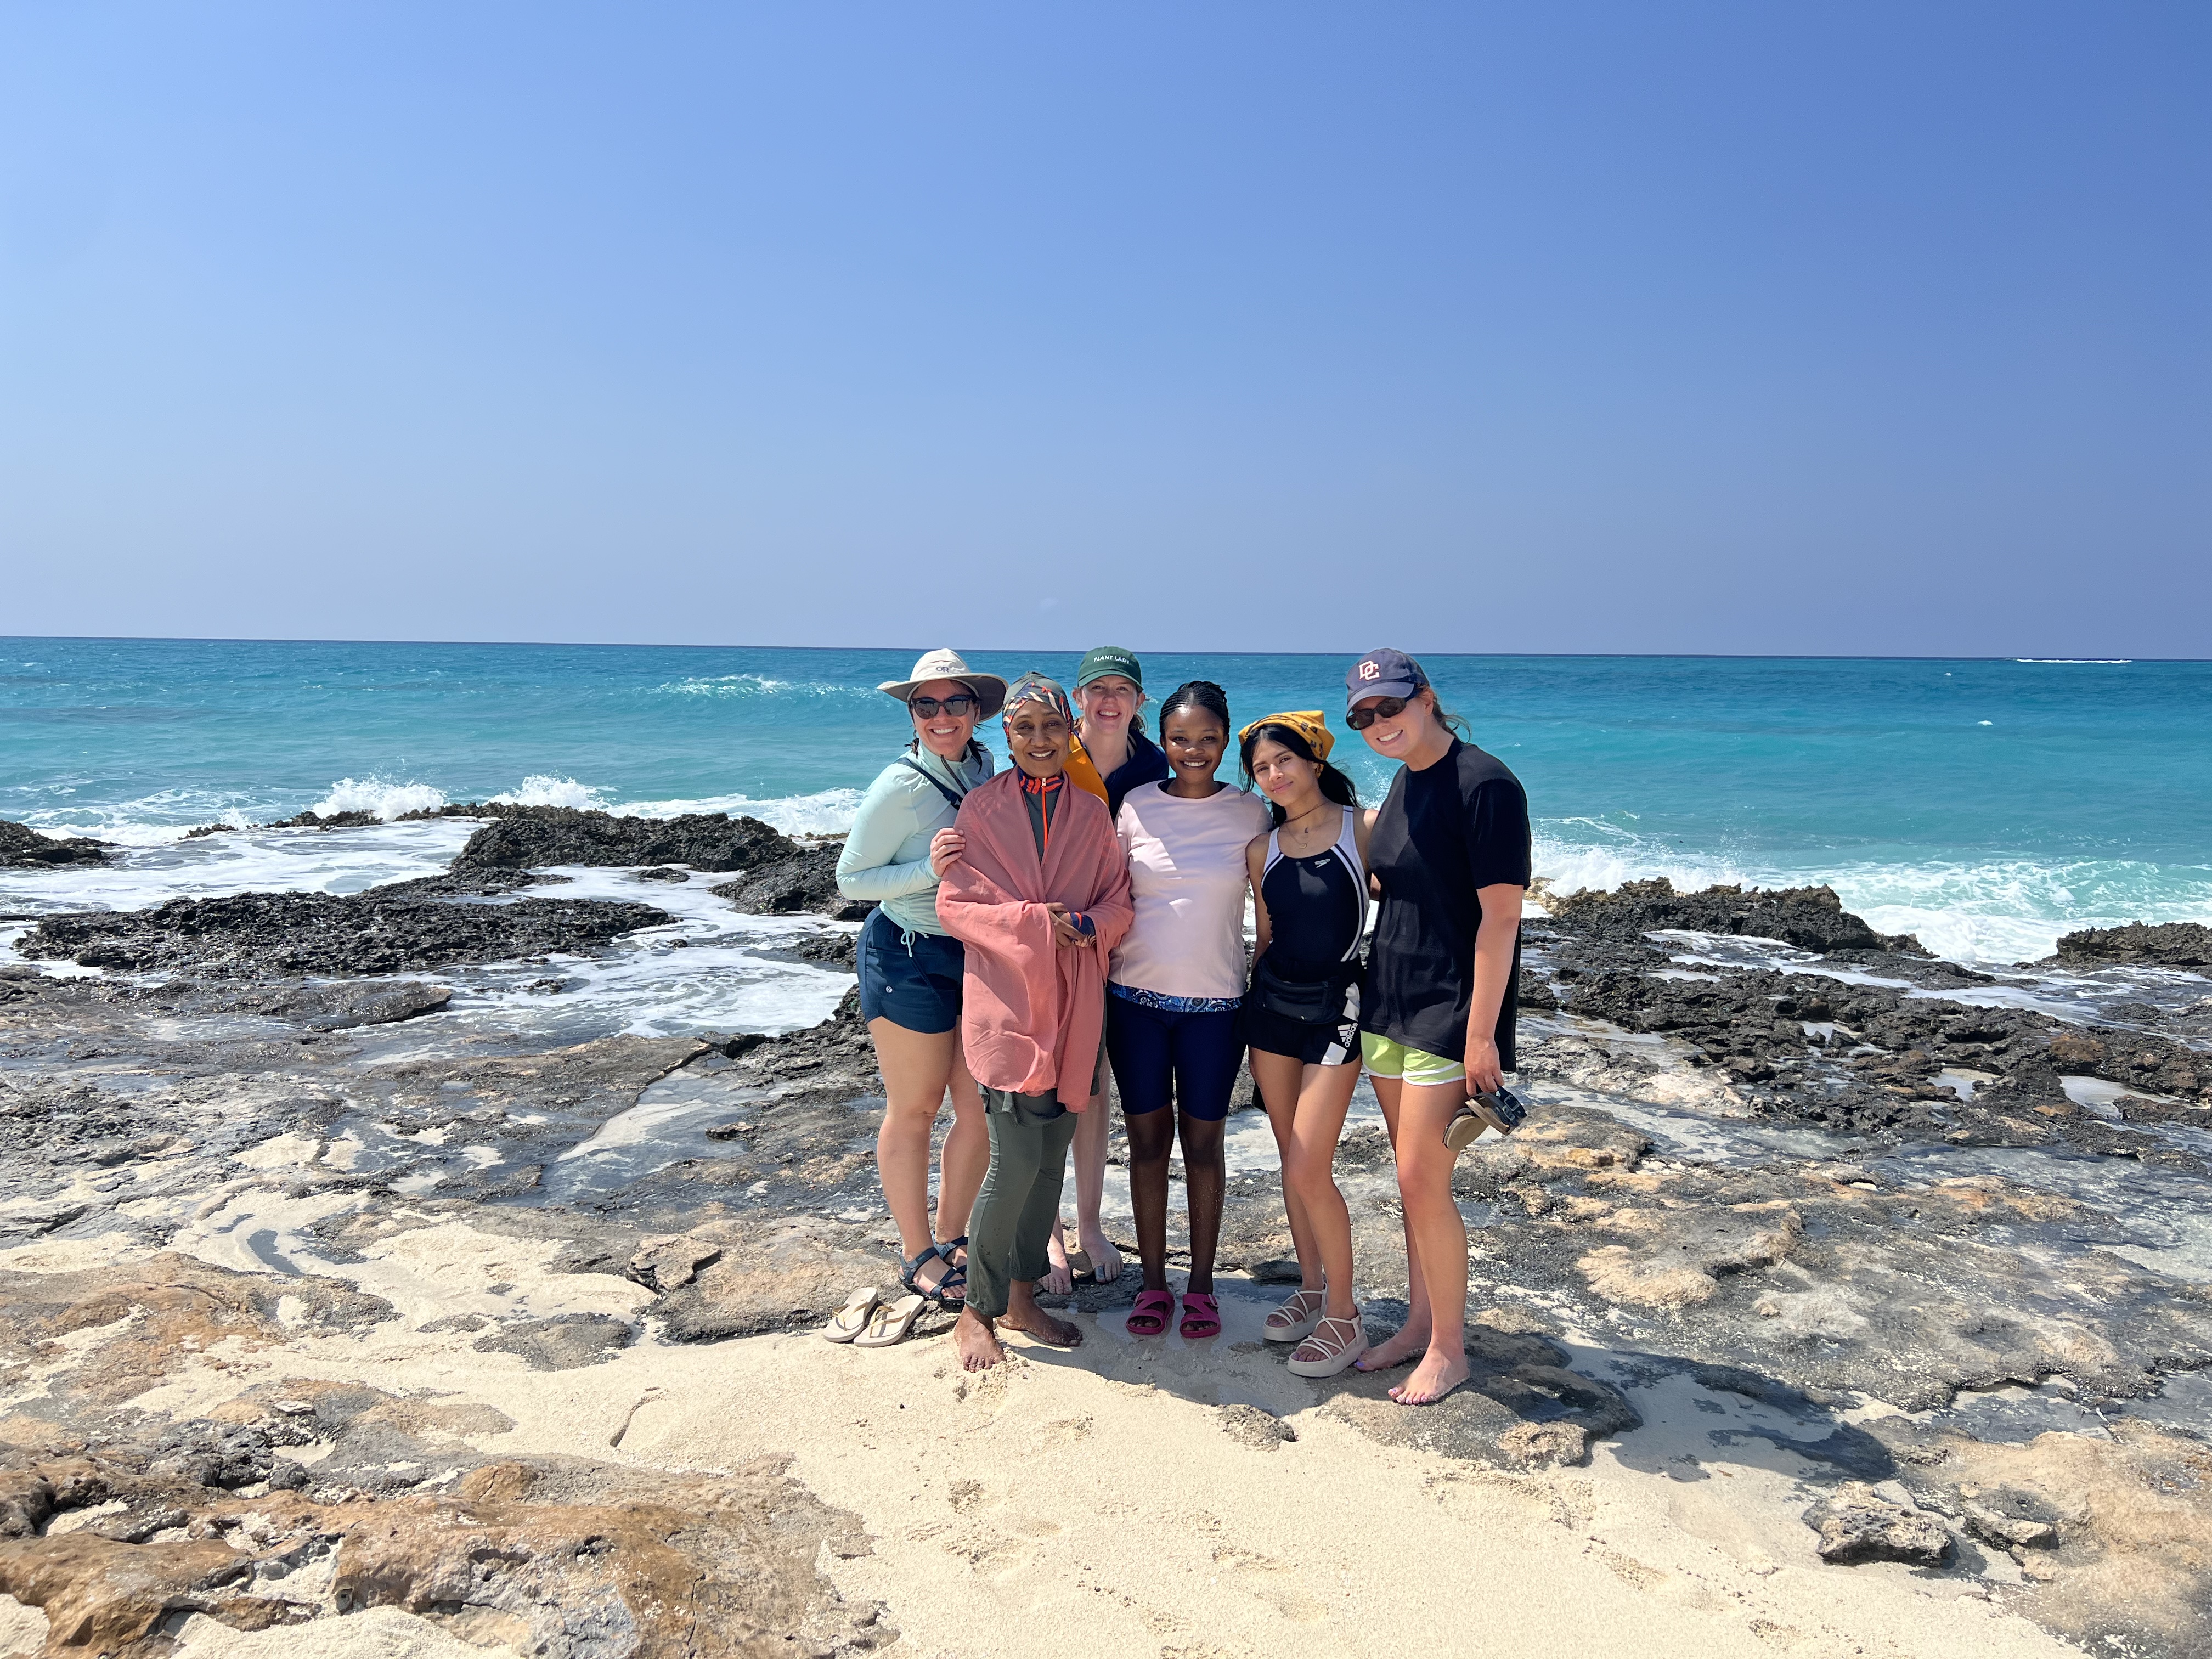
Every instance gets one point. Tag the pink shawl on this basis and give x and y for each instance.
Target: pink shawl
(1028, 1003)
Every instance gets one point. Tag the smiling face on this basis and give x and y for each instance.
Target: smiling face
(1285, 777)
(942, 734)
(1407, 732)
(1194, 741)
(1036, 737)
(1108, 703)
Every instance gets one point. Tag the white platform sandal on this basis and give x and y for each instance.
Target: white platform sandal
(1334, 1344)
(1295, 1320)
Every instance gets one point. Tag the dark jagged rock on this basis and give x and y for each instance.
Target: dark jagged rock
(827, 949)
(310, 820)
(807, 881)
(23, 847)
(2169, 945)
(535, 837)
(1860, 1058)
(1811, 918)
(266, 935)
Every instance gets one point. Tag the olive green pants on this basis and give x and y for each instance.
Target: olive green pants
(1010, 1228)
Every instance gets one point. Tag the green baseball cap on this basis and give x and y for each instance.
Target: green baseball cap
(1105, 660)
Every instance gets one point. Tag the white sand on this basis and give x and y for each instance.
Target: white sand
(1091, 1504)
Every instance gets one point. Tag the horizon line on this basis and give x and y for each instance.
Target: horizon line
(1580, 656)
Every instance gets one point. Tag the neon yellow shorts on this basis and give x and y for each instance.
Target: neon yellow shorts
(1387, 1059)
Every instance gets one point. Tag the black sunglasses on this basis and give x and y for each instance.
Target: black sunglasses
(957, 704)
(1386, 708)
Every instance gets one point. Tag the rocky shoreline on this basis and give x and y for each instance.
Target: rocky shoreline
(1914, 1240)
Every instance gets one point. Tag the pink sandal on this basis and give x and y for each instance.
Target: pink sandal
(1201, 1316)
(1149, 1316)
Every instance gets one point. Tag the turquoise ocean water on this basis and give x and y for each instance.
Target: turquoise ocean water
(1987, 805)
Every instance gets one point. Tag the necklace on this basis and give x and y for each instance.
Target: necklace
(1293, 823)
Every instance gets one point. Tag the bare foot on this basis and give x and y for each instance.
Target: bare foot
(1396, 1349)
(1033, 1321)
(978, 1345)
(1437, 1376)
(1059, 1278)
(1105, 1260)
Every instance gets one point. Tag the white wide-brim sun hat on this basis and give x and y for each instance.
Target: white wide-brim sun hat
(945, 664)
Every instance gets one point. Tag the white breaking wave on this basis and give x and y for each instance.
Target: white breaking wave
(380, 796)
(1572, 869)
(542, 789)
(828, 812)
(1991, 914)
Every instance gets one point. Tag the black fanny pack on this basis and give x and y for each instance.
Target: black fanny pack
(1307, 1002)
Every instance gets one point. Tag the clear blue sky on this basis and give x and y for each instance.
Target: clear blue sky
(1844, 328)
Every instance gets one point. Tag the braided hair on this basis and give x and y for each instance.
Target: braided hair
(1198, 694)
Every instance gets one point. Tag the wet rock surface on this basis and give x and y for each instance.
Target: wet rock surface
(2171, 944)
(23, 847)
(804, 882)
(1822, 1046)
(539, 836)
(1811, 918)
(266, 935)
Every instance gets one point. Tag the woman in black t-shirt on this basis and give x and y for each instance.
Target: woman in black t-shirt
(1450, 853)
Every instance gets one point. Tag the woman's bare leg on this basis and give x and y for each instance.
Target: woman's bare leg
(1151, 1144)
(917, 1066)
(1205, 1181)
(1280, 1080)
(967, 1155)
(1412, 1337)
(1436, 1235)
(1090, 1144)
(1309, 1171)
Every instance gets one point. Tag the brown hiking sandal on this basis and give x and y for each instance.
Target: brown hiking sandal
(1501, 1111)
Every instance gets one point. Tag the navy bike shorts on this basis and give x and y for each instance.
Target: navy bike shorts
(1160, 1055)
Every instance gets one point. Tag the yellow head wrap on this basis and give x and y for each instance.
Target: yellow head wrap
(1306, 722)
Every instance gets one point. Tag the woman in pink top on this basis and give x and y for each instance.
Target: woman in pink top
(1173, 995)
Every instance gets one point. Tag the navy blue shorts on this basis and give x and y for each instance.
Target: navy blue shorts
(1160, 1055)
(916, 982)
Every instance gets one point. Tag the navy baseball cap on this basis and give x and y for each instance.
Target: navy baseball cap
(1384, 674)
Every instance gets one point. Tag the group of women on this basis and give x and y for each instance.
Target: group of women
(1087, 908)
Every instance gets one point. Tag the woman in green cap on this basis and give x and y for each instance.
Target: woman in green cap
(1109, 757)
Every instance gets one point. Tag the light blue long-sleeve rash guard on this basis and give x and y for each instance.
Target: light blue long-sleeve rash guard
(886, 856)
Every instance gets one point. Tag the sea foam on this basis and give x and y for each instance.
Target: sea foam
(542, 789)
(380, 796)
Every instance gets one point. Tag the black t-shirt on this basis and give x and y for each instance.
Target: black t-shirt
(1443, 834)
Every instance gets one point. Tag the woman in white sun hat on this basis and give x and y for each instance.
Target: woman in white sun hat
(901, 843)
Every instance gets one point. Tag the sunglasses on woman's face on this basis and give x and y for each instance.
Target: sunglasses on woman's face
(1386, 708)
(956, 705)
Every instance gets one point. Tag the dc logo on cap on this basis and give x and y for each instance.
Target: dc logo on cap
(1369, 671)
